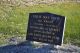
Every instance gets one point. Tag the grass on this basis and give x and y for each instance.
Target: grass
(13, 20)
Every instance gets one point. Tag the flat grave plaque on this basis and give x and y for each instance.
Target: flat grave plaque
(46, 27)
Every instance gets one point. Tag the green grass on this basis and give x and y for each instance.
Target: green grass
(13, 20)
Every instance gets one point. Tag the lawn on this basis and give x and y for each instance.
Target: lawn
(14, 19)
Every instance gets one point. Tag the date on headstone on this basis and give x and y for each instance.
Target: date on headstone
(45, 27)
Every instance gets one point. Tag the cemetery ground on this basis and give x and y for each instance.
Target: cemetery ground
(14, 20)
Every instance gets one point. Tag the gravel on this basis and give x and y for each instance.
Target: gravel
(36, 47)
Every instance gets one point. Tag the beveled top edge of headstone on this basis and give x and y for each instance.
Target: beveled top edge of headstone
(47, 13)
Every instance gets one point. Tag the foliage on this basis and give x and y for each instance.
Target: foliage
(14, 19)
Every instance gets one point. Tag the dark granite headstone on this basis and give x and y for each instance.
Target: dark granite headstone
(45, 27)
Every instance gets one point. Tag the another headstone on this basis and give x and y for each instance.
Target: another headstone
(46, 27)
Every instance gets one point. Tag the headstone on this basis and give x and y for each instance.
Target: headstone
(46, 27)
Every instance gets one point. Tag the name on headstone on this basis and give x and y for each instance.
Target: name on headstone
(45, 27)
